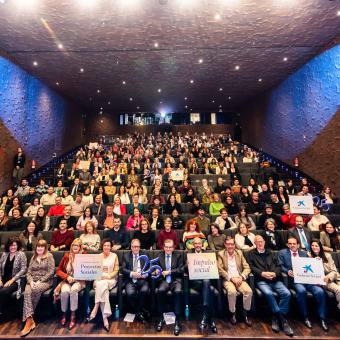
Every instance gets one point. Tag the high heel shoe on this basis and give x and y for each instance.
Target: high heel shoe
(106, 325)
(72, 322)
(92, 315)
(63, 320)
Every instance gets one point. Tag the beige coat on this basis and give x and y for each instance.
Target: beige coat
(241, 263)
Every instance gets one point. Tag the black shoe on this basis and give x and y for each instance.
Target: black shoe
(286, 328)
(233, 320)
(324, 325)
(212, 326)
(160, 324)
(246, 319)
(204, 322)
(275, 325)
(177, 328)
(307, 323)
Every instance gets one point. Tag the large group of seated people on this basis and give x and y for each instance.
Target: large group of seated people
(126, 199)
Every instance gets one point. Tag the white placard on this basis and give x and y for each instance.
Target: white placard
(177, 175)
(169, 318)
(308, 270)
(84, 165)
(88, 267)
(301, 205)
(202, 266)
(129, 317)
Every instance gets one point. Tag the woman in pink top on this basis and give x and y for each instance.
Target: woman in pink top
(133, 222)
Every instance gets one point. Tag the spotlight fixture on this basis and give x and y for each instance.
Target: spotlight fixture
(123, 82)
(60, 46)
(217, 16)
(191, 81)
(220, 89)
(81, 70)
(285, 59)
(35, 63)
(200, 61)
(98, 91)
(237, 67)
(338, 13)
(185, 98)
(260, 80)
(156, 44)
(131, 99)
(57, 83)
(159, 90)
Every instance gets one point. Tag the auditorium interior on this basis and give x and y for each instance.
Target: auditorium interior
(169, 169)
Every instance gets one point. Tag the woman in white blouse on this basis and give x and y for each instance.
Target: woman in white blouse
(32, 210)
(90, 238)
(86, 217)
(87, 197)
(244, 239)
(66, 199)
(107, 282)
(123, 195)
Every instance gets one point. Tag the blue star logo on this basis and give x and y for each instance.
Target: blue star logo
(308, 268)
(300, 203)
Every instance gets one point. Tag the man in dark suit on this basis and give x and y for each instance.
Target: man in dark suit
(171, 280)
(204, 287)
(301, 233)
(76, 188)
(267, 272)
(285, 261)
(136, 284)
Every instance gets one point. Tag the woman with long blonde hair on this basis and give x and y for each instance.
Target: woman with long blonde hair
(69, 288)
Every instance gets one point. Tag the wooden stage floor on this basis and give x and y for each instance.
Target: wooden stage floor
(51, 329)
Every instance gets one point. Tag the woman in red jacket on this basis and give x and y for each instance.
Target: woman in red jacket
(69, 287)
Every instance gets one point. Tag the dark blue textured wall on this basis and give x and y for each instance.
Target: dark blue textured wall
(34, 117)
(303, 105)
(30, 111)
(301, 117)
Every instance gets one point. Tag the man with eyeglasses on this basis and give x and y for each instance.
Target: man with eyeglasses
(171, 280)
(136, 284)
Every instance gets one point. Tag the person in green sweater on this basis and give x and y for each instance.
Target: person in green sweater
(215, 206)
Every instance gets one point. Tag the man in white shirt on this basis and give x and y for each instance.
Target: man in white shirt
(234, 269)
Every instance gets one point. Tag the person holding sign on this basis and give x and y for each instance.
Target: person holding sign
(170, 280)
(69, 288)
(285, 259)
(234, 269)
(264, 266)
(204, 287)
(332, 276)
(107, 282)
(136, 284)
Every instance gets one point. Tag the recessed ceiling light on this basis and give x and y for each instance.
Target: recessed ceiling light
(102, 121)
(160, 102)
(101, 108)
(35, 63)
(137, 107)
(186, 106)
(100, 112)
(98, 91)
(185, 98)
(156, 44)
(191, 81)
(57, 83)
(109, 103)
(217, 16)
(200, 61)
(159, 90)
(220, 89)
(82, 70)
(338, 13)
(213, 101)
(237, 67)
(229, 98)
(131, 99)
(123, 82)
(60, 46)
(260, 79)
(285, 59)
